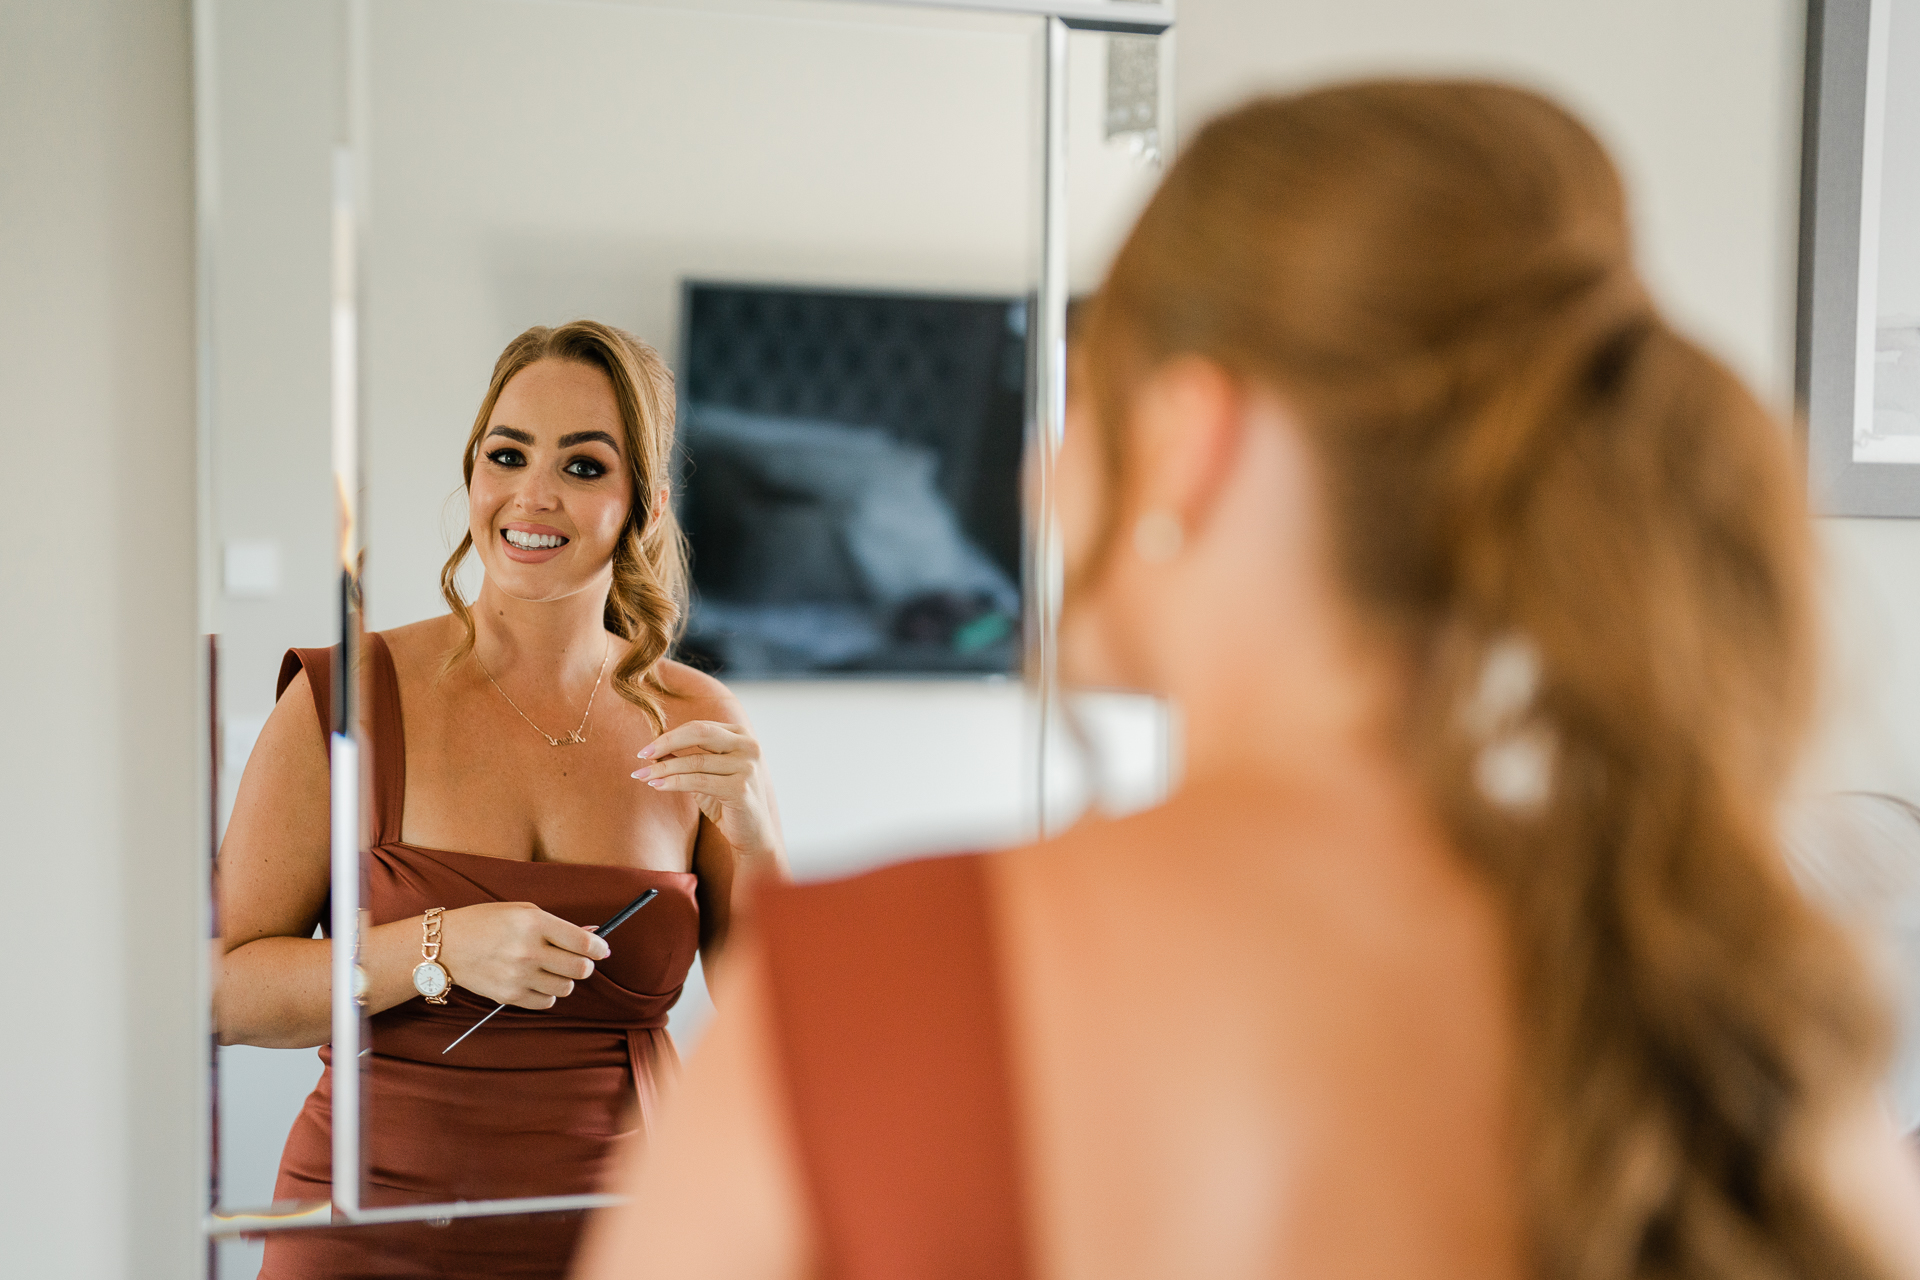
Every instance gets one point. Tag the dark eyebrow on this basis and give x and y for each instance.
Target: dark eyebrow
(566, 441)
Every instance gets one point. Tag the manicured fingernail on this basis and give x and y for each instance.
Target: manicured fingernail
(643, 773)
(657, 783)
(647, 754)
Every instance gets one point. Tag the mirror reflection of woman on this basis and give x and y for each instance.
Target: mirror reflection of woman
(537, 761)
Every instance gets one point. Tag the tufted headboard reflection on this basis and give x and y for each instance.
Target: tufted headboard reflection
(851, 493)
(944, 372)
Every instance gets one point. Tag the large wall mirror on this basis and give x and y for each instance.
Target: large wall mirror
(851, 230)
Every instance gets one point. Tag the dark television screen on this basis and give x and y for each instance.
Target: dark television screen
(851, 490)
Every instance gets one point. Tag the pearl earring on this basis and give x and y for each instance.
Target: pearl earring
(1158, 537)
(1515, 771)
(1513, 766)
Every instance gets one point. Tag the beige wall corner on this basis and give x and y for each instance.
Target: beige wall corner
(99, 1072)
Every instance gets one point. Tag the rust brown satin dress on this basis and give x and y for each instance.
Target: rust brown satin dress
(892, 1050)
(532, 1104)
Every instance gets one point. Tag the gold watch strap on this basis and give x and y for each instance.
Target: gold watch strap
(430, 948)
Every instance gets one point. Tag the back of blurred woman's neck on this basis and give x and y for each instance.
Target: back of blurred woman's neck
(1278, 682)
(1288, 730)
(1301, 737)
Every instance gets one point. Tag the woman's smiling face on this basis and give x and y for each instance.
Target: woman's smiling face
(550, 493)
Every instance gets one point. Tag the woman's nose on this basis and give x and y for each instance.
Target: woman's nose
(539, 493)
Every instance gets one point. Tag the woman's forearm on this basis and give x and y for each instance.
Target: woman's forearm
(278, 992)
(275, 993)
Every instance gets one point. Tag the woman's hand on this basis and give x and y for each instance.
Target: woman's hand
(720, 765)
(515, 953)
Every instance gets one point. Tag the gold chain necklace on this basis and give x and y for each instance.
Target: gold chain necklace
(578, 738)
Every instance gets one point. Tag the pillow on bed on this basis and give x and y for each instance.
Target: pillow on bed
(792, 509)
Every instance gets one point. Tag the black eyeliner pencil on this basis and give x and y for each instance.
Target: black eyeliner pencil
(619, 918)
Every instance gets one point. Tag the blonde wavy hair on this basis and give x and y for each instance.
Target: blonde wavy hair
(1515, 443)
(647, 605)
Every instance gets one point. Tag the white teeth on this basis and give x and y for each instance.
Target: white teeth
(533, 541)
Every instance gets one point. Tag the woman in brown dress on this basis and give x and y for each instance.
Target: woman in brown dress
(1465, 948)
(536, 763)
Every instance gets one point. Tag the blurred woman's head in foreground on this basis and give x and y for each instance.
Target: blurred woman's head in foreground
(1571, 549)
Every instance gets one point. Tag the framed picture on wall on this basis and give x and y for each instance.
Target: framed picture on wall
(1858, 358)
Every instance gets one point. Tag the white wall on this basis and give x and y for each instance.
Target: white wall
(1870, 738)
(100, 1078)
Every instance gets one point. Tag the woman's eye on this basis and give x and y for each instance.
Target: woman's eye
(585, 469)
(507, 458)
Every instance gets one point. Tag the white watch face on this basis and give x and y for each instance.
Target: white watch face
(429, 979)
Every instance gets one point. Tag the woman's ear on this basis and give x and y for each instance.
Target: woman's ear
(651, 512)
(1188, 422)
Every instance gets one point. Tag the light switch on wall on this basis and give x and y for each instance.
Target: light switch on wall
(252, 569)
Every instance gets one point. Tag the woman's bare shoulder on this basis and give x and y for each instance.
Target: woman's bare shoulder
(696, 695)
(421, 645)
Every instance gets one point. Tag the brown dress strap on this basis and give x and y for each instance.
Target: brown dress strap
(386, 736)
(318, 664)
(887, 1017)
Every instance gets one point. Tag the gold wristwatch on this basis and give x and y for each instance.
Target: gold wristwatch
(430, 978)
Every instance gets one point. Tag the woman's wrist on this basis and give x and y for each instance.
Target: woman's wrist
(389, 953)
